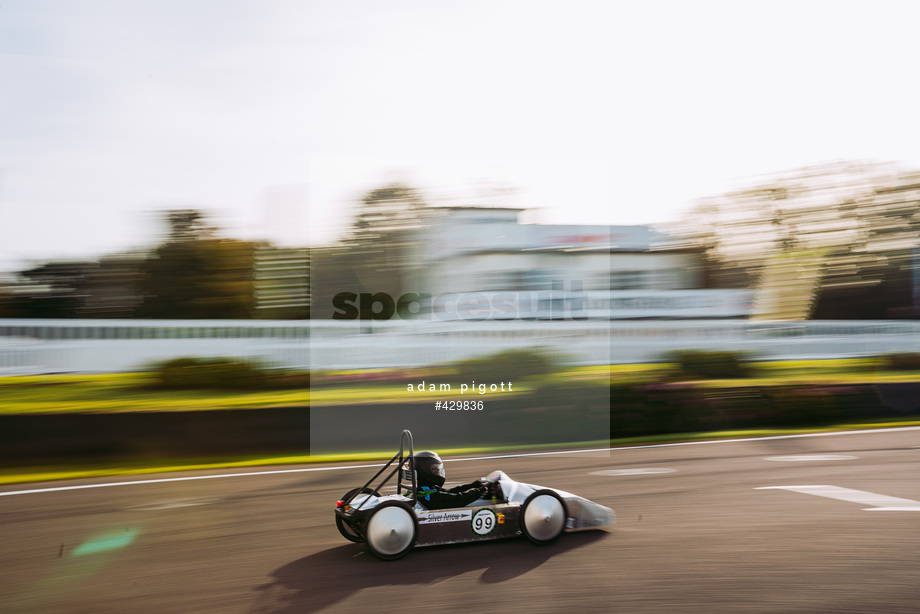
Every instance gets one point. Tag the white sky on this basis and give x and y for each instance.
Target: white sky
(596, 112)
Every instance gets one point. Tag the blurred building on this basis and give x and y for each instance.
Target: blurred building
(281, 282)
(837, 241)
(480, 263)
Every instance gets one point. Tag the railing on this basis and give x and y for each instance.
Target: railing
(43, 346)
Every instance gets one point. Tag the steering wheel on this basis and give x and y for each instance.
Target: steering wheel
(495, 489)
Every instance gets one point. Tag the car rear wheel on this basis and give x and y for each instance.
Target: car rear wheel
(391, 530)
(543, 517)
(346, 531)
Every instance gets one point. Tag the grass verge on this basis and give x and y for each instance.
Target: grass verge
(128, 392)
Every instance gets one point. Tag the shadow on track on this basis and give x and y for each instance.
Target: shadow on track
(320, 580)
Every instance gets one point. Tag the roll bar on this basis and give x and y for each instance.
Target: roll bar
(401, 457)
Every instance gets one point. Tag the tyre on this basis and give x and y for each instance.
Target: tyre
(346, 531)
(392, 530)
(543, 517)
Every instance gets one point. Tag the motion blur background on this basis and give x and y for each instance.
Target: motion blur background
(236, 234)
(598, 182)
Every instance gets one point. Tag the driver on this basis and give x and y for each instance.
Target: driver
(430, 475)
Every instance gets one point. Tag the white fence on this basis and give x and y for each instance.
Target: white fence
(49, 346)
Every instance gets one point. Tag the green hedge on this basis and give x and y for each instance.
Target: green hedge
(711, 364)
(901, 361)
(510, 365)
(223, 374)
(665, 408)
(208, 373)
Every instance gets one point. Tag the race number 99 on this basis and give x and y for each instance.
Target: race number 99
(483, 522)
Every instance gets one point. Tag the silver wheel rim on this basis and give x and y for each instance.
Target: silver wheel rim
(544, 517)
(390, 530)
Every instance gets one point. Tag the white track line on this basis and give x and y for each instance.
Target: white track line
(877, 501)
(471, 458)
(697, 443)
(181, 479)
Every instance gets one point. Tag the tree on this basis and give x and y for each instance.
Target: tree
(195, 274)
(395, 207)
(376, 255)
(188, 225)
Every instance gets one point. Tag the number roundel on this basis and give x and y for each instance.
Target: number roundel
(484, 522)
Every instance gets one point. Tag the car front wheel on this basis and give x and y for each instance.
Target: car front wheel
(543, 517)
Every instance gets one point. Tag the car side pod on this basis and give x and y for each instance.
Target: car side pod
(543, 517)
(392, 530)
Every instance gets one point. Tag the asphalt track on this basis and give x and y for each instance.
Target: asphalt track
(697, 532)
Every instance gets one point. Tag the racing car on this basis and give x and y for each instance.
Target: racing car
(392, 525)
